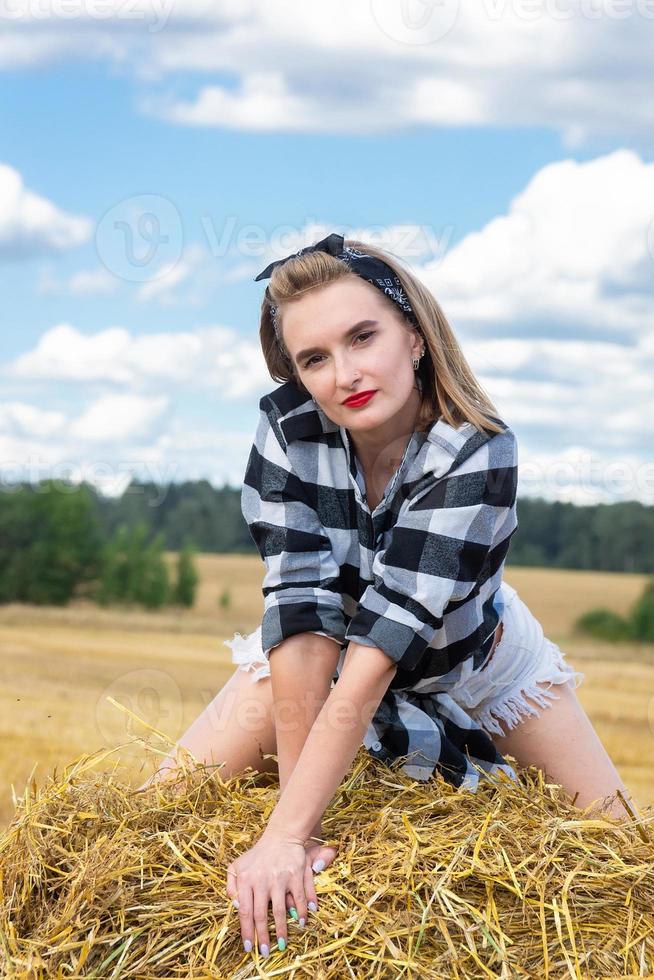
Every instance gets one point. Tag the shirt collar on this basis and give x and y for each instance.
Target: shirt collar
(305, 420)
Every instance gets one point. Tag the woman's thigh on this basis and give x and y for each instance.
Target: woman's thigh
(562, 742)
(234, 732)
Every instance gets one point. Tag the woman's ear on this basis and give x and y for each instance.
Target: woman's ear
(418, 345)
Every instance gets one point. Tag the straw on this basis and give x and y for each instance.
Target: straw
(99, 880)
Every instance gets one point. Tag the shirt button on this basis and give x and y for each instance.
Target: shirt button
(376, 746)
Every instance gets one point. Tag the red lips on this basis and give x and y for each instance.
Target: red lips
(359, 399)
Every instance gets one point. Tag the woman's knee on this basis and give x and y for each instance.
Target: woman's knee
(239, 723)
(236, 730)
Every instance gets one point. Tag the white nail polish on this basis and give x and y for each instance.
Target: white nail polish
(318, 865)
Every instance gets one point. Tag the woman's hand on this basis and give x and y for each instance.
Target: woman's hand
(275, 868)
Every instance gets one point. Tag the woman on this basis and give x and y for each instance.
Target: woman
(380, 491)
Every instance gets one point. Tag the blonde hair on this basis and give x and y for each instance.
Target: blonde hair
(449, 387)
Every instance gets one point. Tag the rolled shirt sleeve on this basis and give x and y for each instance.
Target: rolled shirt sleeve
(451, 535)
(301, 583)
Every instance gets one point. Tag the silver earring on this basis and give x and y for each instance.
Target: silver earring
(416, 360)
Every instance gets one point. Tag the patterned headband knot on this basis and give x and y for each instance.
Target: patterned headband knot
(368, 267)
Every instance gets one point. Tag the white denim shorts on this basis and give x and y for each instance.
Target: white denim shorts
(497, 691)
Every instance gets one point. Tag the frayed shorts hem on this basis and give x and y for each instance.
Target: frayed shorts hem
(514, 708)
(507, 688)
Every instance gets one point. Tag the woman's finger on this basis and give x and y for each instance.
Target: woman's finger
(261, 898)
(290, 906)
(246, 915)
(321, 856)
(310, 890)
(230, 886)
(279, 915)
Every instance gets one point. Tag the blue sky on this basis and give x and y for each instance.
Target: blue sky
(489, 156)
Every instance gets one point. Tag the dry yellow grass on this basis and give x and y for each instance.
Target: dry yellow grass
(429, 882)
(57, 667)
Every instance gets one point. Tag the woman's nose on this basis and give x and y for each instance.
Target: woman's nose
(346, 374)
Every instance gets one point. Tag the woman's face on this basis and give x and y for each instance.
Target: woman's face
(345, 338)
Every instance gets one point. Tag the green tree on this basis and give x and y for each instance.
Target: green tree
(50, 543)
(641, 617)
(113, 584)
(152, 588)
(603, 624)
(187, 577)
(134, 569)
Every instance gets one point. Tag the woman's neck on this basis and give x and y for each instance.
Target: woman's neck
(382, 449)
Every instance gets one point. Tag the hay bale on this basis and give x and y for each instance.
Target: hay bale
(99, 880)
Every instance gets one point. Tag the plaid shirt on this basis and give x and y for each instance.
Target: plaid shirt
(419, 577)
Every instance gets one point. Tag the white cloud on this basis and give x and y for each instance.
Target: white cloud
(263, 103)
(494, 63)
(107, 419)
(114, 439)
(574, 252)
(31, 225)
(580, 475)
(86, 282)
(116, 418)
(210, 357)
(21, 419)
(575, 362)
(490, 63)
(64, 354)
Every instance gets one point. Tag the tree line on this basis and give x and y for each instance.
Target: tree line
(58, 540)
(53, 547)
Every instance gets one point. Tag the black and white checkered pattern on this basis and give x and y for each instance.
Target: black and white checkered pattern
(419, 578)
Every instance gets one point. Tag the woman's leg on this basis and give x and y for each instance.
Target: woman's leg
(561, 741)
(526, 701)
(237, 728)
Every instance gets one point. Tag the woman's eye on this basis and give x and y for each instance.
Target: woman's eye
(365, 335)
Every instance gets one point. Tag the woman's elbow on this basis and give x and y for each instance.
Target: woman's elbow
(371, 659)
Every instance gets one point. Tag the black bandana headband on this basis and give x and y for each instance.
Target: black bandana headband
(372, 269)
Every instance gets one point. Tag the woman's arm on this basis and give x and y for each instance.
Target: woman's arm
(301, 671)
(333, 741)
